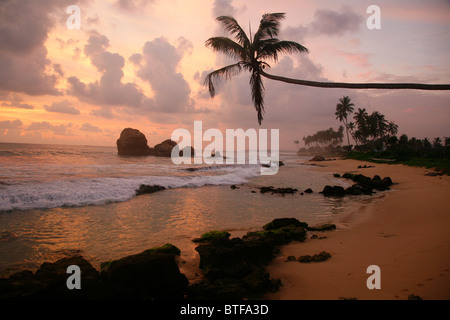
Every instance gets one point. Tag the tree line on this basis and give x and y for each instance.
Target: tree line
(371, 133)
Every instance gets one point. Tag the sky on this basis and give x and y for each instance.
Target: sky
(142, 63)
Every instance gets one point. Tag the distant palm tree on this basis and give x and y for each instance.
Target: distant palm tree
(251, 55)
(343, 109)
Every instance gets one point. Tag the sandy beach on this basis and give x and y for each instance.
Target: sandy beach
(404, 233)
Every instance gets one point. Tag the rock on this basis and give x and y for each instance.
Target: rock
(235, 268)
(273, 190)
(309, 190)
(284, 222)
(49, 282)
(323, 227)
(132, 142)
(318, 158)
(151, 274)
(164, 149)
(145, 189)
(290, 258)
(212, 236)
(234, 187)
(335, 191)
(336, 175)
(414, 297)
(323, 256)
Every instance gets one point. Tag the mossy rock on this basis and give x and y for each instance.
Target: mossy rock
(323, 227)
(284, 222)
(167, 248)
(212, 236)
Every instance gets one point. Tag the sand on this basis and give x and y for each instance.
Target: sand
(405, 233)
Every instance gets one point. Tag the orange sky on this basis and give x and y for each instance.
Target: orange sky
(141, 63)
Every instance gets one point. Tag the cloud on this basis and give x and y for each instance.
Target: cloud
(332, 23)
(62, 107)
(10, 127)
(158, 65)
(109, 90)
(223, 8)
(45, 126)
(90, 128)
(133, 5)
(16, 102)
(326, 22)
(24, 28)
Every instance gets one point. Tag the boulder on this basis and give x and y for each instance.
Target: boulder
(132, 142)
(49, 282)
(235, 268)
(333, 191)
(145, 189)
(164, 149)
(318, 158)
(151, 274)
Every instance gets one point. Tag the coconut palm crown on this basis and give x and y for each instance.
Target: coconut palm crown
(252, 54)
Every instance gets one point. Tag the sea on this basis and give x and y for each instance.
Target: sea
(60, 200)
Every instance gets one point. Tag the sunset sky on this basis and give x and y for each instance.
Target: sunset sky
(141, 64)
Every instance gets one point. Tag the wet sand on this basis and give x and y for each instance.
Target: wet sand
(405, 233)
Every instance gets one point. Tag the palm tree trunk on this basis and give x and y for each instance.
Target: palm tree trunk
(417, 86)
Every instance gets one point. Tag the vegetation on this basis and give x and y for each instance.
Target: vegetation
(252, 54)
(376, 140)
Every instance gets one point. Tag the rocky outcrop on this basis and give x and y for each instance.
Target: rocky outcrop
(145, 189)
(235, 268)
(363, 186)
(151, 275)
(132, 142)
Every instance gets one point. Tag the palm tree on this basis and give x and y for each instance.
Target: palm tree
(343, 109)
(251, 55)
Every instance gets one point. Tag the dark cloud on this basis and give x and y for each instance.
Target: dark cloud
(158, 65)
(24, 28)
(333, 23)
(62, 107)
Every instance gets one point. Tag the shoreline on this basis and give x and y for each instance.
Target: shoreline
(405, 234)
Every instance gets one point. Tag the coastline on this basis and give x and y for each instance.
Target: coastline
(405, 234)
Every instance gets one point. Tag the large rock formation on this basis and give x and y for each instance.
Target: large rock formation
(132, 142)
(150, 275)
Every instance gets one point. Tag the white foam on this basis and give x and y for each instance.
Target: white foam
(96, 191)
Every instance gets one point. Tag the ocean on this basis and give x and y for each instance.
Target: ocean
(56, 201)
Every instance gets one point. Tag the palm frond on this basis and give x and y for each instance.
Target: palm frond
(271, 49)
(233, 27)
(227, 46)
(269, 26)
(214, 77)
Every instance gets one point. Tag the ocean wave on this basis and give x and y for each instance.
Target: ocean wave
(102, 190)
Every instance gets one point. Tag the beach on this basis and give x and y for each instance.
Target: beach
(87, 208)
(405, 233)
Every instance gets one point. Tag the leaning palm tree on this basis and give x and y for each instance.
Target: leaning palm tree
(252, 54)
(343, 109)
